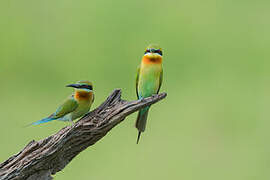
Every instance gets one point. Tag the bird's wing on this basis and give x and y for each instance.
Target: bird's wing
(137, 80)
(160, 80)
(93, 98)
(68, 106)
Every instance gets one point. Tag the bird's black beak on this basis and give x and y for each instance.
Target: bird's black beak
(74, 85)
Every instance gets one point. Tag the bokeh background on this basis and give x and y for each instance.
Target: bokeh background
(215, 122)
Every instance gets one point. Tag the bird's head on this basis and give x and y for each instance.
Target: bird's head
(153, 52)
(85, 86)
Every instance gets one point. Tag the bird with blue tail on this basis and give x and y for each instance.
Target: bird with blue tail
(76, 105)
(148, 81)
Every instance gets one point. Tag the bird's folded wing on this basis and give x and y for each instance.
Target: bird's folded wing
(68, 106)
(160, 80)
(137, 80)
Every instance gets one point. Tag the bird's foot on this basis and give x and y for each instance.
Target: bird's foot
(142, 99)
(72, 122)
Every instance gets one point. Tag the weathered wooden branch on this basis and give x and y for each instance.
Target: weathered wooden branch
(41, 159)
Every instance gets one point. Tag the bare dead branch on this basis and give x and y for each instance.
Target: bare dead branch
(41, 159)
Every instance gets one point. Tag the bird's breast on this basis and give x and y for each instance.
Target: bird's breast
(149, 79)
(151, 61)
(83, 96)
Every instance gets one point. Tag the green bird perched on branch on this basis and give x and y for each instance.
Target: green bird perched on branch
(77, 105)
(148, 81)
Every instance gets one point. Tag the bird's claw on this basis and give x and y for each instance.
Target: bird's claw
(142, 99)
(72, 122)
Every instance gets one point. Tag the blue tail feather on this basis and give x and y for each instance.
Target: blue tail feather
(45, 120)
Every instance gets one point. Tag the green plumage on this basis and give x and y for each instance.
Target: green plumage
(72, 109)
(75, 106)
(68, 106)
(148, 82)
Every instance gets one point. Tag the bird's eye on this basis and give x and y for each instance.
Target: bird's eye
(159, 52)
(90, 87)
(87, 87)
(147, 51)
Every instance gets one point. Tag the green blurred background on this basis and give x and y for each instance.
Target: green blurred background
(215, 122)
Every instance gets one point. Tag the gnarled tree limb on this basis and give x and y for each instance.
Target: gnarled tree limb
(41, 159)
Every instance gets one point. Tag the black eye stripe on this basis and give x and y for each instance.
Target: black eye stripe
(158, 51)
(147, 51)
(87, 87)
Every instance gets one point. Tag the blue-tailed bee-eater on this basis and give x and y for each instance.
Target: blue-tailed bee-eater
(148, 81)
(76, 105)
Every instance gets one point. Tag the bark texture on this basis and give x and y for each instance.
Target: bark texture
(41, 159)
